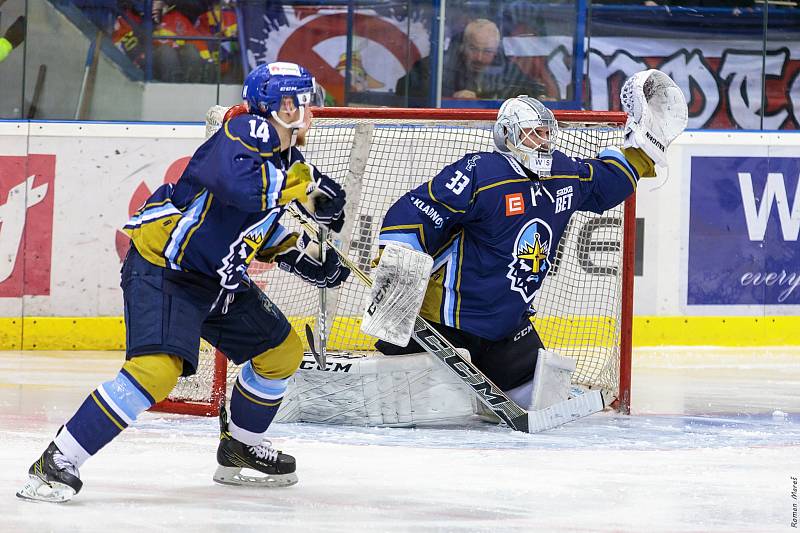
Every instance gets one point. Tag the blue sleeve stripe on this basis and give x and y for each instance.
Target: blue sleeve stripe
(617, 156)
(261, 387)
(151, 214)
(279, 235)
(403, 238)
(193, 216)
(273, 185)
(451, 258)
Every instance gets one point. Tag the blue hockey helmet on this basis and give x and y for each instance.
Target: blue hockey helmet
(267, 85)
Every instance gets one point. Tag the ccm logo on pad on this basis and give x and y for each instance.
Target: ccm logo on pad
(514, 204)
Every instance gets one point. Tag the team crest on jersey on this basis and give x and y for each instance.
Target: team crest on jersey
(531, 262)
(242, 251)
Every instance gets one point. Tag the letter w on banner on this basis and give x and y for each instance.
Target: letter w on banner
(26, 224)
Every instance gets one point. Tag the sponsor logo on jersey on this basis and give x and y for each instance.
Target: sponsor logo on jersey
(515, 205)
(564, 199)
(541, 164)
(531, 258)
(472, 161)
(433, 214)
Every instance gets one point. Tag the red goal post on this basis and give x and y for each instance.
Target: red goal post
(585, 307)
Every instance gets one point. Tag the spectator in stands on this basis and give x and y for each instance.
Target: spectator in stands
(220, 21)
(178, 60)
(13, 37)
(474, 68)
(174, 60)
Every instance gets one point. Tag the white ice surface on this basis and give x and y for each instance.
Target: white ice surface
(702, 452)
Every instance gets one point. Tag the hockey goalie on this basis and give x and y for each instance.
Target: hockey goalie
(481, 268)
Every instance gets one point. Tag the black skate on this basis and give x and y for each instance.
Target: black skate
(232, 456)
(52, 478)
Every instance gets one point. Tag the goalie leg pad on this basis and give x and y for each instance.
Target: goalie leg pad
(551, 380)
(377, 390)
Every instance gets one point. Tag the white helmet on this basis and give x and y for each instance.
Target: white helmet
(517, 121)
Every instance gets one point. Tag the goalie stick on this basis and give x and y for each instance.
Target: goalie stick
(487, 392)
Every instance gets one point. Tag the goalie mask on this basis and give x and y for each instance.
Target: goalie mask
(267, 85)
(527, 130)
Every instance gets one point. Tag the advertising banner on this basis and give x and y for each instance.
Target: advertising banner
(26, 224)
(743, 231)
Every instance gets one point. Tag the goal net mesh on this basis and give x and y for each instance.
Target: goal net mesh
(378, 160)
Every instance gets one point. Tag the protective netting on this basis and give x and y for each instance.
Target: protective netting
(378, 160)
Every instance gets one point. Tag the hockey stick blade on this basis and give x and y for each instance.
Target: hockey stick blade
(567, 411)
(317, 357)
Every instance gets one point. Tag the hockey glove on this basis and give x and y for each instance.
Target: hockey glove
(657, 113)
(326, 198)
(301, 260)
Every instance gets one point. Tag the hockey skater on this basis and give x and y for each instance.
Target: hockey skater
(185, 277)
(492, 222)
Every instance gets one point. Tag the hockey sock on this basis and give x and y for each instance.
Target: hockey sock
(115, 404)
(108, 410)
(254, 403)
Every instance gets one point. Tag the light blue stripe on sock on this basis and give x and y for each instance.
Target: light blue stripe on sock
(266, 388)
(126, 396)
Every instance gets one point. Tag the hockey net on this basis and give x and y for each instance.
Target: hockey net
(583, 309)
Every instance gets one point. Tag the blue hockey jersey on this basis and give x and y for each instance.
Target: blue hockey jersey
(493, 231)
(226, 205)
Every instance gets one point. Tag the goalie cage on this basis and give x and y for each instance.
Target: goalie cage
(584, 308)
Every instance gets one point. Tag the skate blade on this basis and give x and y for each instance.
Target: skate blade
(37, 490)
(232, 475)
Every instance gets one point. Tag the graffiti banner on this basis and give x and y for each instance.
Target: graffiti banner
(715, 55)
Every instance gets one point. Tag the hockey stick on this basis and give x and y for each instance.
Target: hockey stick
(487, 392)
(322, 313)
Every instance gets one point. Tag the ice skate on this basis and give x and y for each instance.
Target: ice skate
(232, 456)
(52, 478)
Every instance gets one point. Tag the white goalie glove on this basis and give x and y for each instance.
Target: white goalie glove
(657, 113)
